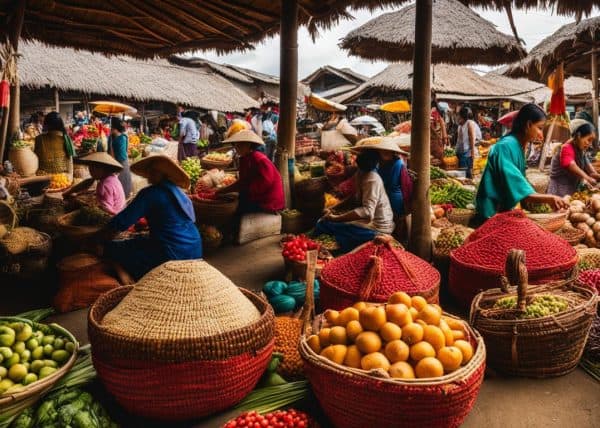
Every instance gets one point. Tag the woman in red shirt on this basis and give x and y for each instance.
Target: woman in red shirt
(259, 184)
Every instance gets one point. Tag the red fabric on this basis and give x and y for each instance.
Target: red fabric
(508, 118)
(556, 81)
(261, 182)
(567, 154)
(406, 182)
(4, 94)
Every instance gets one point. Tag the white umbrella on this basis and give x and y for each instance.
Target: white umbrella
(365, 120)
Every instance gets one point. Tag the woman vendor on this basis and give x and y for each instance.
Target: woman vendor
(170, 216)
(54, 147)
(259, 184)
(503, 183)
(117, 147)
(374, 214)
(110, 196)
(570, 166)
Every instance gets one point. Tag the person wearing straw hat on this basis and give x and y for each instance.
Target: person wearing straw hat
(373, 215)
(109, 190)
(570, 167)
(170, 216)
(259, 184)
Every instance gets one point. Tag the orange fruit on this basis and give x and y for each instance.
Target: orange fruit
(335, 353)
(434, 336)
(402, 370)
(453, 323)
(466, 349)
(451, 357)
(337, 336)
(314, 343)
(447, 332)
(414, 314)
(458, 334)
(398, 314)
(430, 315)
(324, 337)
(347, 315)
(429, 367)
(418, 302)
(421, 323)
(372, 318)
(396, 351)
(390, 331)
(400, 297)
(353, 357)
(359, 306)
(353, 329)
(331, 316)
(412, 333)
(374, 360)
(421, 350)
(368, 342)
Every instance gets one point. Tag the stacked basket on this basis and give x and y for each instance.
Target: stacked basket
(186, 331)
(373, 272)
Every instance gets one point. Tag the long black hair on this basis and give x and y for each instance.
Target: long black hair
(531, 113)
(367, 160)
(584, 130)
(53, 122)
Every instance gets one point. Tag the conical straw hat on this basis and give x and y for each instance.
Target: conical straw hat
(100, 158)
(179, 300)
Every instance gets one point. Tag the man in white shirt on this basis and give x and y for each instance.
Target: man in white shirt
(188, 136)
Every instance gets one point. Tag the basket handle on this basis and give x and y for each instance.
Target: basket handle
(308, 310)
(515, 274)
(13, 213)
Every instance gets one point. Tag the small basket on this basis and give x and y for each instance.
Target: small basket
(210, 164)
(12, 404)
(450, 162)
(292, 224)
(75, 233)
(590, 257)
(570, 234)
(461, 216)
(219, 212)
(538, 347)
(552, 222)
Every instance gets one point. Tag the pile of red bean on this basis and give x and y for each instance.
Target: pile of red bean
(591, 278)
(280, 419)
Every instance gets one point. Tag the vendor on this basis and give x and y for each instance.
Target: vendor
(259, 184)
(110, 196)
(170, 216)
(468, 134)
(118, 148)
(570, 166)
(503, 183)
(54, 148)
(374, 214)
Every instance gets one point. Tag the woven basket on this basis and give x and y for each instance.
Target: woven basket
(292, 224)
(310, 188)
(31, 262)
(539, 181)
(197, 373)
(8, 216)
(75, 233)
(461, 216)
(537, 347)
(210, 164)
(552, 222)
(218, 212)
(13, 403)
(589, 256)
(450, 162)
(570, 234)
(354, 398)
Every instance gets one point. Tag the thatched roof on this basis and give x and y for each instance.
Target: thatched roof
(125, 77)
(347, 74)
(149, 28)
(562, 7)
(460, 36)
(538, 92)
(448, 82)
(571, 43)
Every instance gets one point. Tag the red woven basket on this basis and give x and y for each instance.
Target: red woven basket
(373, 272)
(479, 263)
(354, 398)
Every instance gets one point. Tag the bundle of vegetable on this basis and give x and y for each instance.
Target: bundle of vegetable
(202, 144)
(91, 216)
(451, 193)
(282, 418)
(264, 400)
(19, 144)
(540, 306)
(539, 208)
(145, 139)
(192, 168)
(435, 173)
(66, 408)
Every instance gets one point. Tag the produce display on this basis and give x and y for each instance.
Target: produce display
(192, 168)
(330, 200)
(452, 193)
(539, 208)
(405, 338)
(133, 140)
(145, 139)
(29, 352)
(296, 248)
(91, 216)
(451, 238)
(335, 169)
(585, 216)
(448, 153)
(281, 418)
(540, 306)
(287, 335)
(202, 144)
(436, 173)
(589, 277)
(59, 181)
(20, 239)
(328, 242)
(216, 156)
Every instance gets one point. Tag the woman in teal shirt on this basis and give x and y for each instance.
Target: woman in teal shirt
(117, 148)
(503, 184)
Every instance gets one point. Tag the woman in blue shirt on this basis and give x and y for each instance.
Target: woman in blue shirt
(170, 216)
(117, 148)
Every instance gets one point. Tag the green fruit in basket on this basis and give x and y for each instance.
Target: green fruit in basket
(5, 384)
(25, 355)
(3, 372)
(6, 352)
(25, 333)
(36, 366)
(50, 363)
(17, 372)
(38, 353)
(30, 378)
(19, 347)
(60, 356)
(46, 371)
(32, 344)
(48, 340)
(15, 359)
(48, 350)
(7, 336)
(59, 343)
(70, 347)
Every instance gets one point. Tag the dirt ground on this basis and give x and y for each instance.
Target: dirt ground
(568, 401)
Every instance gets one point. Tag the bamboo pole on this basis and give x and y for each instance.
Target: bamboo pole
(420, 235)
(288, 91)
(56, 100)
(16, 25)
(594, 73)
(545, 144)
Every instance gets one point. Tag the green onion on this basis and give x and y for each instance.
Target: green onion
(265, 400)
(37, 315)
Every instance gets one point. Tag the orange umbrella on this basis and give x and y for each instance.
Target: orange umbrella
(111, 107)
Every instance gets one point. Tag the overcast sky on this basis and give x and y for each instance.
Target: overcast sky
(533, 26)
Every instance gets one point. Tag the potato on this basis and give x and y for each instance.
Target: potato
(595, 196)
(582, 226)
(573, 209)
(597, 216)
(596, 205)
(579, 217)
(590, 221)
(591, 241)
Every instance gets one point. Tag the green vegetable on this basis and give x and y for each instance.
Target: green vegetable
(46, 414)
(540, 306)
(453, 194)
(24, 420)
(67, 412)
(271, 377)
(264, 400)
(436, 173)
(85, 419)
(7, 336)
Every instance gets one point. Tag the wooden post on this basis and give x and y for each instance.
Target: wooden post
(16, 25)
(56, 100)
(288, 91)
(420, 235)
(545, 144)
(595, 76)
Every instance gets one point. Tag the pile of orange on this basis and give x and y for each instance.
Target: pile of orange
(59, 181)
(407, 338)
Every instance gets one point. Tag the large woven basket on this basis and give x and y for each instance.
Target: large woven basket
(552, 222)
(13, 403)
(534, 347)
(31, 262)
(196, 374)
(210, 164)
(75, 233)
(354, 398)
(461, 216)
(218, 212)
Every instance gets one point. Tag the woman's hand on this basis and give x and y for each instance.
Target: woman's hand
(590, 181)
(558, 203)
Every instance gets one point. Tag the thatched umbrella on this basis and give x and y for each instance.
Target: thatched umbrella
(459, 36)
